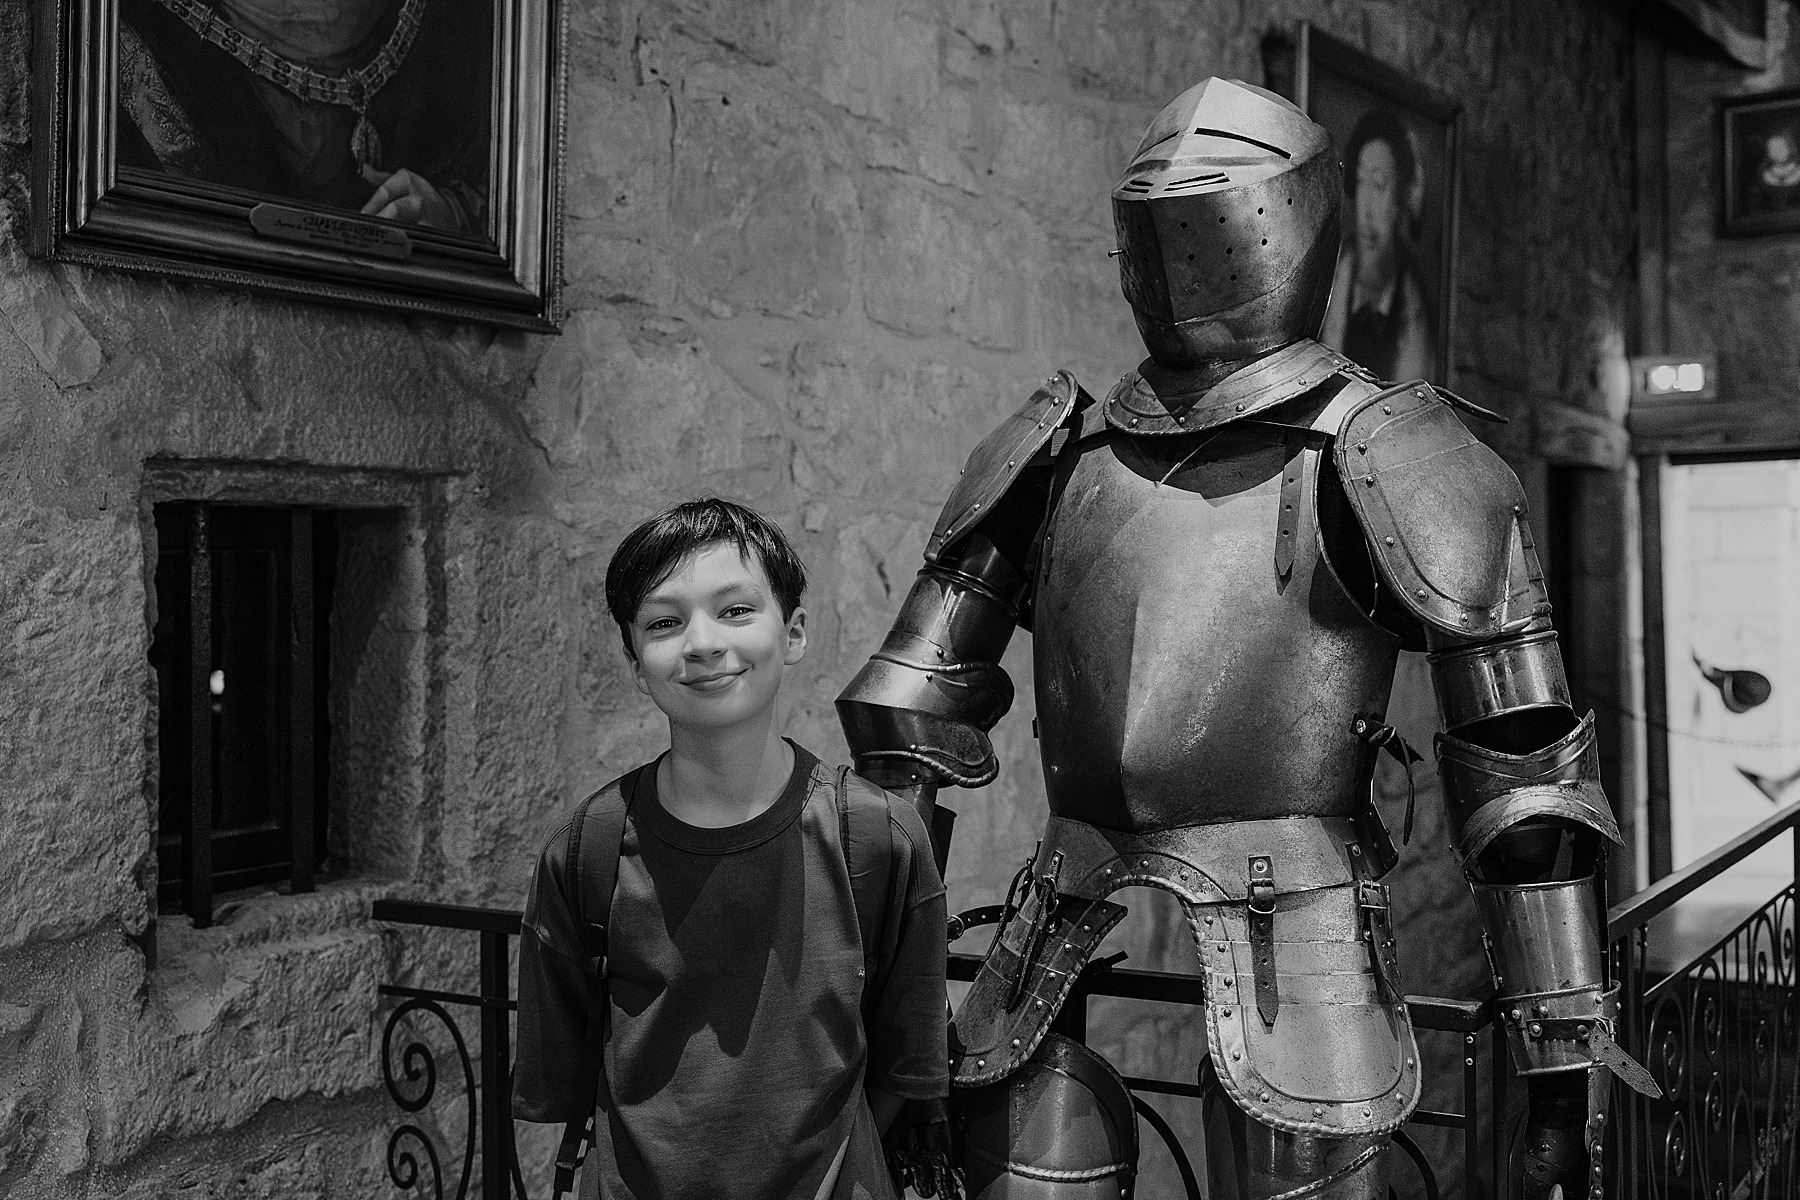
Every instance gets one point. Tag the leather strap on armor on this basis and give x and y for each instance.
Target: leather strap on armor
(1259, 910)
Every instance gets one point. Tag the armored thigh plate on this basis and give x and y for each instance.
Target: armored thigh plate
(1059, 1128)
(1295, 945)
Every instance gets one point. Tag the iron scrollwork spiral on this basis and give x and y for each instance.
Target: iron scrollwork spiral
(419, 1077)
(1721, 1038)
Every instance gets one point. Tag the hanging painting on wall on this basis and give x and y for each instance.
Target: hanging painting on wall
(1759, 138)
(391, 153)
(1391, 300)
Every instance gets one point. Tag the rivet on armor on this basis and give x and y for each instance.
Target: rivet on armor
(1599, 1118)
(1419, 592)
(1362, 447)
(981, 1062)
(1265, 1097)
(1109, 870)
(1387, 408)
(1409, 1062)
(1068, 949)
(1237, 1055)
(1516, 1014)
(1085, 929)
(1017, 1043)
(1389, 540)
(1370, 480)
(1317, 1111)
(1540, 1010)
(1240, 408)
(1143, 862)
(1229, 981)
(1468, 1062)
(1040, 1004)
(1357, 850)
(1134, 422)
(1012, 463)
(1537, 1030)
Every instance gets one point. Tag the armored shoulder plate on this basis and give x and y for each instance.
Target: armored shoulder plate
(1444, 515)
(1001, 456)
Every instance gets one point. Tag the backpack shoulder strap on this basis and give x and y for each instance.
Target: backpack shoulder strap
(594, 838)
(867, 835)
(593, 865)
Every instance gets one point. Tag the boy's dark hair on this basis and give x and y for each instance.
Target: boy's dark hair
(652, 551)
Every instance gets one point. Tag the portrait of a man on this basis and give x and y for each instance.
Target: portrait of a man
(374, 107)
(1380, 314)
(1389, 298)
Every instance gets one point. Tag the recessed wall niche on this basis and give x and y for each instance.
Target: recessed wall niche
(303, 720)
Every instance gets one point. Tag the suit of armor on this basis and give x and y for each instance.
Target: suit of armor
(1218, 565)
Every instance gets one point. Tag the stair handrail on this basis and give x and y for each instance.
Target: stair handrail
(1659, 897)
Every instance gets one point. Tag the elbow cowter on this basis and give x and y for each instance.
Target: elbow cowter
(919, 709)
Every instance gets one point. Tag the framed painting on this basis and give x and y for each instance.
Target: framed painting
(1392, 300)
(399, 154)
(1759, 177)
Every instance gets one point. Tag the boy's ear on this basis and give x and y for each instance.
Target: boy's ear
(637, 668)
(796, 637)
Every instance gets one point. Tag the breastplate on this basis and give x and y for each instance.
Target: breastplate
(1183, 677)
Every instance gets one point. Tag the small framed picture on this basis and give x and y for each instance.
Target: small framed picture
(401, 154)
(1392, 300)
(1759, 137)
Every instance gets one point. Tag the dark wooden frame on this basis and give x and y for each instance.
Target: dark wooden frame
(87, 209)
(1320, 52)
(1733, 220)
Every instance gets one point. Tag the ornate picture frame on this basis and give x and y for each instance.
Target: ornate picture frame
(1759, 164)
(419, 168)
(1402, 135)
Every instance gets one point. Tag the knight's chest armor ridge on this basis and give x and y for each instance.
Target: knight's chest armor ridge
(1197, 659)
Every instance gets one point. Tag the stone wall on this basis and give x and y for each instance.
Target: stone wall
(814, 251)
(1736, 297)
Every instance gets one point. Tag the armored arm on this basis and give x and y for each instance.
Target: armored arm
(1445, 520)
(917, 715)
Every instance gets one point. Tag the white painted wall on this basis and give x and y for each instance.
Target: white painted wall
(1731, 564)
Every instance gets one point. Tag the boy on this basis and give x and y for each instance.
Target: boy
(742, 1059)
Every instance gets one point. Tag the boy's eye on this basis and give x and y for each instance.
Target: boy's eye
(660, 625)
(738, 610)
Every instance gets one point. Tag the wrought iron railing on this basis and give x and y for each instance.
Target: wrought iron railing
(415, 1161)
(1721, 1035)
(486, 1076)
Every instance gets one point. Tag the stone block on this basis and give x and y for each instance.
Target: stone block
(933, 265)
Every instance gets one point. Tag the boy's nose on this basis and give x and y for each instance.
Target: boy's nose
(703, 640)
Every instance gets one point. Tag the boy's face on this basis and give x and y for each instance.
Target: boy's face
(711, 641)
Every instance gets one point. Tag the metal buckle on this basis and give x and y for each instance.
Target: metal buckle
(1262, 885)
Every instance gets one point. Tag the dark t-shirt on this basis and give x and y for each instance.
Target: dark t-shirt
(738, 1053)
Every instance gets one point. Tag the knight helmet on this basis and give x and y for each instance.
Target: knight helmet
(1228, 225)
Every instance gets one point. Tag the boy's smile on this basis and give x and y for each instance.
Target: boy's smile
(711, 641)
